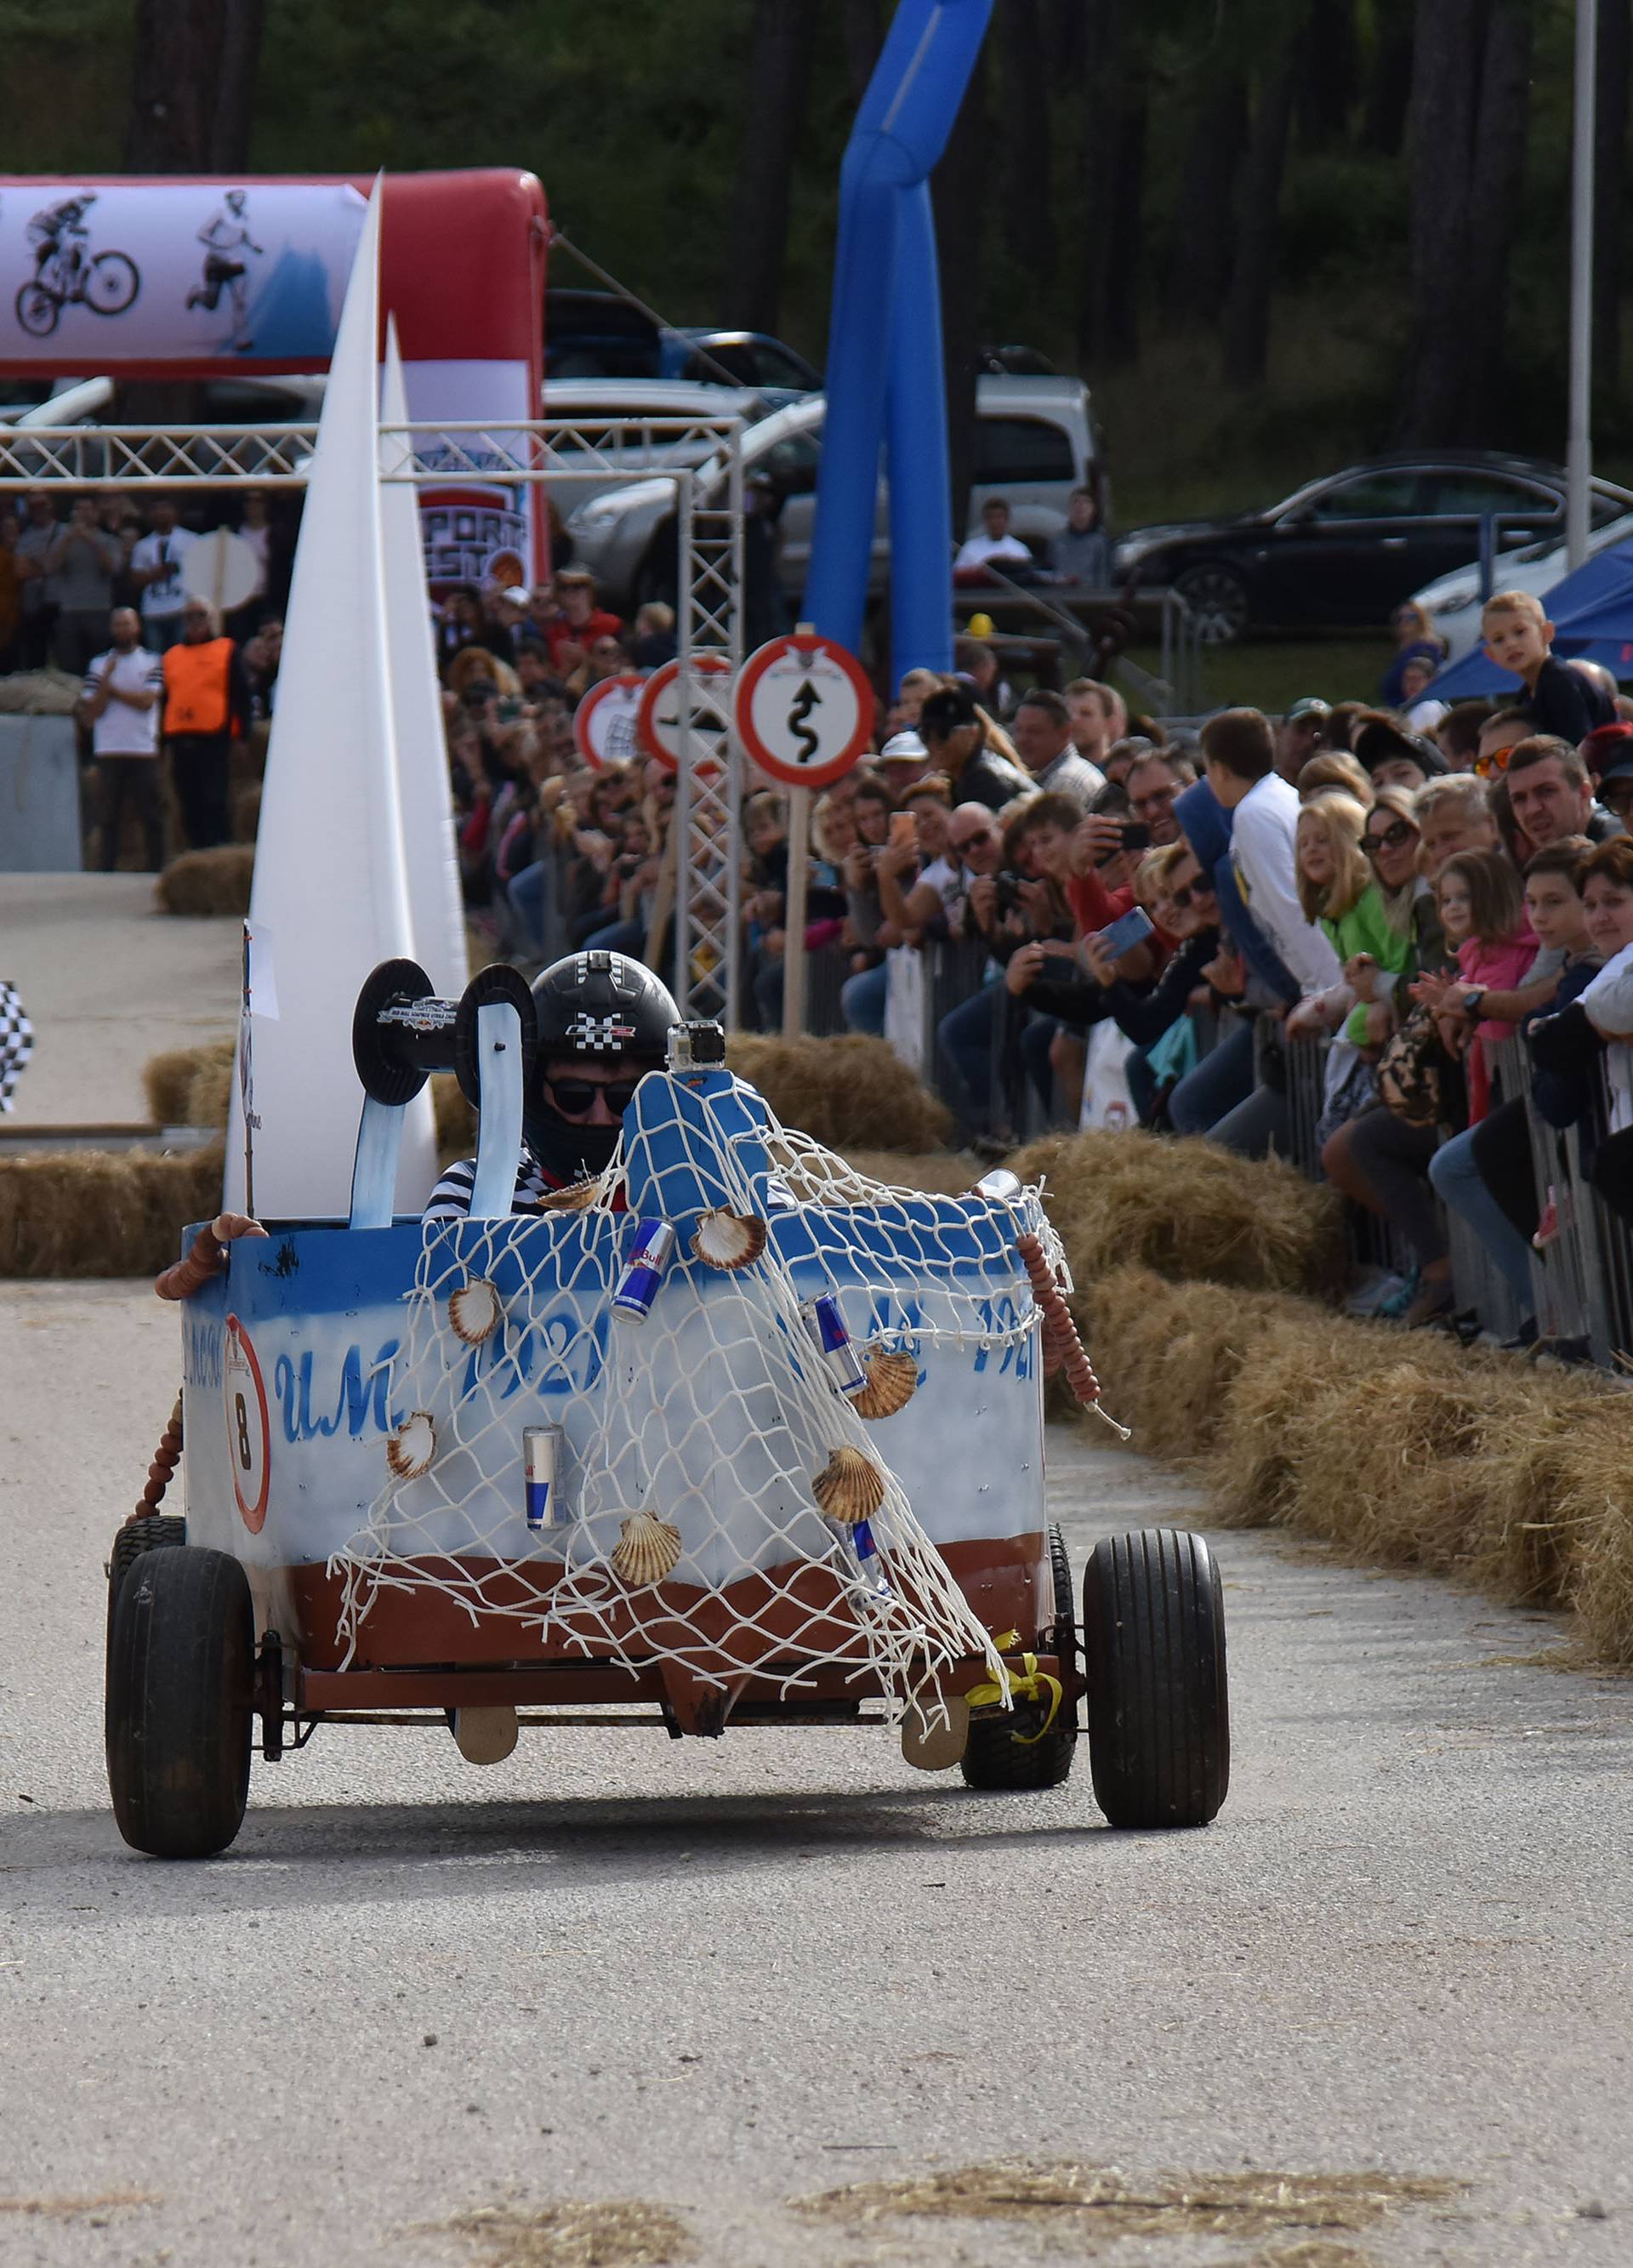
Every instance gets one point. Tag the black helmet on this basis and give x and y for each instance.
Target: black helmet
(607, 1009)
(604, 1006)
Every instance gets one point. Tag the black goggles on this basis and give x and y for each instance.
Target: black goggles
(579, 1094)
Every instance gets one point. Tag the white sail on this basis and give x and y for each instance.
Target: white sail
(436, 907)
(330, 896)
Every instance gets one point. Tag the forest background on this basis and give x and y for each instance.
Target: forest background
(1272, 234)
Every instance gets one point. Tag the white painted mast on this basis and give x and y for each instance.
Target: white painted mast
(330, 896)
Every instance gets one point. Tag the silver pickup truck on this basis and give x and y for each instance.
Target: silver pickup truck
(1034, 444)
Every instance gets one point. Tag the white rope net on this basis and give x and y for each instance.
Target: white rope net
(719, 1500)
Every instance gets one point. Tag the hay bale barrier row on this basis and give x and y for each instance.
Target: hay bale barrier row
(1403, 1451)
(89, 1212)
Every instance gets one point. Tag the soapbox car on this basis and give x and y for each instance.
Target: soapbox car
(733, 1437)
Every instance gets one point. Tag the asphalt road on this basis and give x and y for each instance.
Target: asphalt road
(716, 1977)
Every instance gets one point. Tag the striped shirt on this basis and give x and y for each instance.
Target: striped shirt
(121, 730)
(451, 1199)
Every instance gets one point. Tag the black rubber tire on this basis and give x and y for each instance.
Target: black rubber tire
(1066, 1598)
(154, 1531)
(1218, 598)
(993, 1758)
(1153, 1639)
(179, 1686)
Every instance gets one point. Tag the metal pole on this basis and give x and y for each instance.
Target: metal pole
(1578, 457)
(681, 811)
(794, 913)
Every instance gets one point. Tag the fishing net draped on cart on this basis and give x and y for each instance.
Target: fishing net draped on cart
(752, 1448)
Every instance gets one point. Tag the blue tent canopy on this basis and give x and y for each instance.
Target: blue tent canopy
(1591, 612)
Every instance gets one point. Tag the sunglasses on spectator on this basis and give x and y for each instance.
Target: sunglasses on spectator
(1190, 893)
(1395, 836)
(1497, 761)
(580, 1094)
(968, 842)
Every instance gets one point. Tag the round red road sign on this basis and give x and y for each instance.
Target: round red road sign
(604, 721)
(656, 724)
(803, 710)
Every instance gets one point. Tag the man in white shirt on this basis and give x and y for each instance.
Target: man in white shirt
(994, 542)
(156, 565)
(1239, 750)
(121, 700)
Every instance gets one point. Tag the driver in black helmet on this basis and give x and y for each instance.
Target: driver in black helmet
(604, 1023)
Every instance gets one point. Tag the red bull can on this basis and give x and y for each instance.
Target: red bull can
(825, 1326)
(643, 1271)
(542, 1457)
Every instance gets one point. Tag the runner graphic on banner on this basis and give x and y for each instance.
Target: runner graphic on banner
(225, 236)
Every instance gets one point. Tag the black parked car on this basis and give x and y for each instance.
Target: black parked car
(1348, 548)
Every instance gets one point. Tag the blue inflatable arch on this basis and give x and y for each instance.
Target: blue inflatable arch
(886, 385)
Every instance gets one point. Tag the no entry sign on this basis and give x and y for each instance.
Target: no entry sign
(803, 710)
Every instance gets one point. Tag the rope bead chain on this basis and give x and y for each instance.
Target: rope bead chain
(166, 1457)
(1061, 1342)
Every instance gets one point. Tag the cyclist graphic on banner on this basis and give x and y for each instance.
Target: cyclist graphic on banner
(67, 273)
(225, 237)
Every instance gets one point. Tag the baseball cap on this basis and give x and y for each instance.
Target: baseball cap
(904, 748)
(516, 594)
(979, 626)
(1621, 768)
(1310, 706)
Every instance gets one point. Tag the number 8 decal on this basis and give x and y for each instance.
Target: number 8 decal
(248, 1431)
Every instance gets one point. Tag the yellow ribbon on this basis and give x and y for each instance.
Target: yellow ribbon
(1029, 1686)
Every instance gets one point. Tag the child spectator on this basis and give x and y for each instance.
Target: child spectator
(1339, 891)
(1519, 638)
(1487, 1173)
(1483, 918)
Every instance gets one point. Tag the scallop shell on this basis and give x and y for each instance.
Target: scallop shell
(574, 1199)
(647, 1549)
(892, 1382)
(728, 1240)
(474, 1310)
(849, 1487)
(409, 1450)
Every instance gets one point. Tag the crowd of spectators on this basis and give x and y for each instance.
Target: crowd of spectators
(1104, 905)
(171, 694)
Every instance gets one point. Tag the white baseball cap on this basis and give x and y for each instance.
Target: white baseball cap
(904, 748)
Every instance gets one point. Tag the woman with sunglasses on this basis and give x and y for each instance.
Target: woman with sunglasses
(1389, 842)
(604, 1022)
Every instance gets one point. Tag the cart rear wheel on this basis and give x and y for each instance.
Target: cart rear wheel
(152, 1532)
(1153, 1636)
(994, 1756)
(179, 1680)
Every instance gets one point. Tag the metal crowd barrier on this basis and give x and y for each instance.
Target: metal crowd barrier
(1582, 1283)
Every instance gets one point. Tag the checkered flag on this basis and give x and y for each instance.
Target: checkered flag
(16, 1041)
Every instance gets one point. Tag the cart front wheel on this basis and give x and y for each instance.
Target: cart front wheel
(1154, 1638)
(180, 1685)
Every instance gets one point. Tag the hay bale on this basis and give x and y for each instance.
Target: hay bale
(1187, 1210)
(165, 1080)
(190, 1086)
(89, 1212)
(246, 812)
(1404, 1450)
(850, 1091)
(207, 881)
